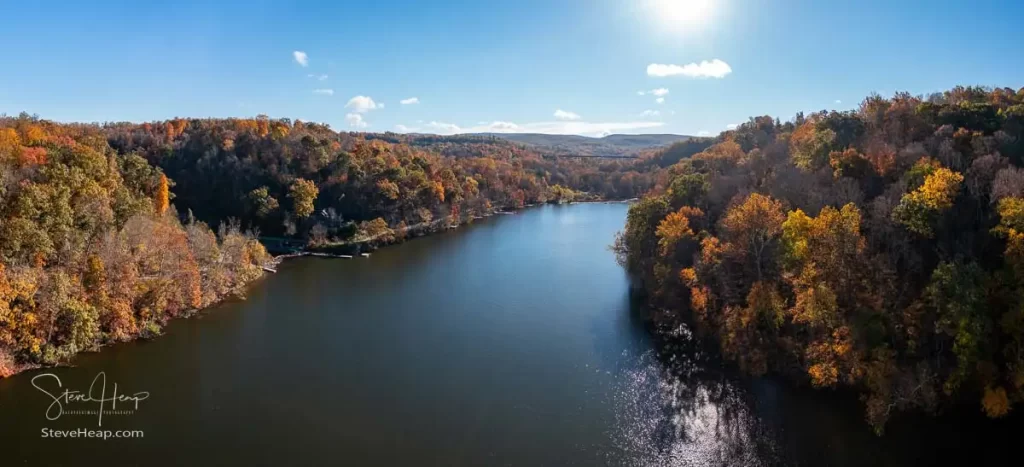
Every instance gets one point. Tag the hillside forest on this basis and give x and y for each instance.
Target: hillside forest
(107, 231)
(879, 250)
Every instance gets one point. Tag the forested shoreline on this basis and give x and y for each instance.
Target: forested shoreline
(879, 249)
(105, 227)
(93, 252)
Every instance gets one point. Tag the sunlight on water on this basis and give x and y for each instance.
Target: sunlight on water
(671, 411)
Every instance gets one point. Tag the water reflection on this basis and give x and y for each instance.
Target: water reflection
(675, 409)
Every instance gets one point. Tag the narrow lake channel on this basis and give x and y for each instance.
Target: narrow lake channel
(513, 341)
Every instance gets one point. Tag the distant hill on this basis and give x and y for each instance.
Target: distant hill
(469, 144)
(575, 145)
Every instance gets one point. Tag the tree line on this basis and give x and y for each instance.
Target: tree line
(304, 180)
(879, 249)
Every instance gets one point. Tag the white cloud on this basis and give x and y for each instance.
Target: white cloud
(410, 101)
(705, 69)
(380, 105)
(355, 120)
(650, 113)
(301, 58)
(660, 92)
(660, 100)
(732, 126)
(444, 127)
(404, 129)
(565, 115)
(838, 101)
(328, 92)
(555, 127)
(503, 126)
(703, 133)
(361, 104)
(318, 77)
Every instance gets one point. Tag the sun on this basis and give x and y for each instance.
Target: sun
(683, 15)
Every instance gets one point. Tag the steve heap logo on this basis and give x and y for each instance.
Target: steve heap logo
(98, 400)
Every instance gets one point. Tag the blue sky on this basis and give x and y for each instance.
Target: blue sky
(496, 66)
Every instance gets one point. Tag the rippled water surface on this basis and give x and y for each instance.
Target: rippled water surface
(510, 342)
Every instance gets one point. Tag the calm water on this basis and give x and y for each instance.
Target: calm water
(510, 342)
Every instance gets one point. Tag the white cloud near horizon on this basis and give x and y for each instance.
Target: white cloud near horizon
(444, 127)
(732, 126)
(703, 133)
(355, 120)
(362, 104)
(301, 58)
(566, 115)
(705, 69)
(552, 128)
(409, 101)
(660, 92)
(328, 92)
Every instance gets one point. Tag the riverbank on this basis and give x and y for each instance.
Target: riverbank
(363, 246)
(109, 315)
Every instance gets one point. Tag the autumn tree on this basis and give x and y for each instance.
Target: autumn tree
(751, 229)
(163, 194)
(375, 231)
(263, 204)
(303, 194)
(919, 209)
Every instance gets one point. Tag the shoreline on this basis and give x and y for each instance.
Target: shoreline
(364, 247)
(18, 369)
(270, 267)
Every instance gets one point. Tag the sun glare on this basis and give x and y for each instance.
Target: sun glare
(682, 15)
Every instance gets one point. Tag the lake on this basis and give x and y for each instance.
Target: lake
(513, 341)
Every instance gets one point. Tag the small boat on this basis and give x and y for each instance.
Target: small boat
(365, 255)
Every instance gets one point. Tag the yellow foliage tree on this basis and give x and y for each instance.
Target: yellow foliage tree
(675, 227)
(163, 195)
(918, 208)
(752, 226)
(303, 194)
(10, 144)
